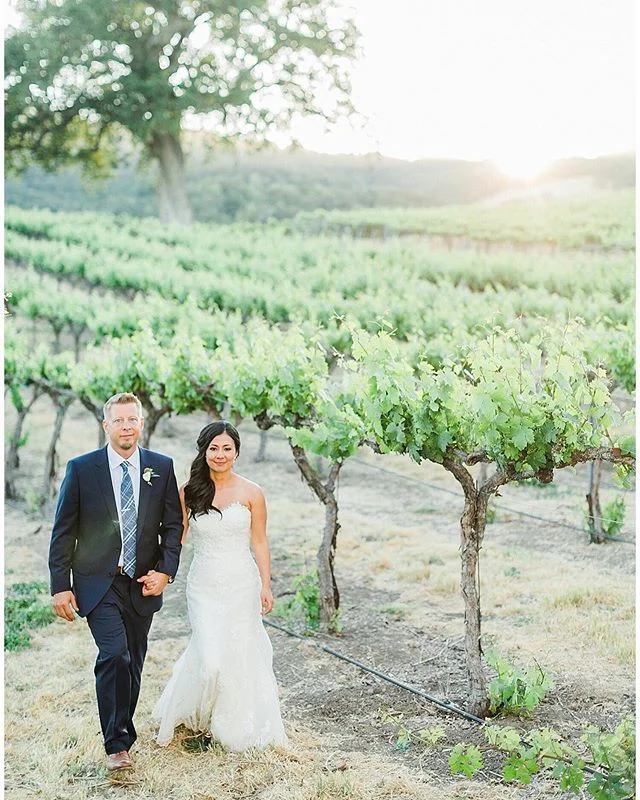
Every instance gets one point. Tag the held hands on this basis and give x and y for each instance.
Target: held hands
(63, 603)
(153, 583)
(266, 601)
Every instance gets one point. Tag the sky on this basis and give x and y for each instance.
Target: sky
(520, 83)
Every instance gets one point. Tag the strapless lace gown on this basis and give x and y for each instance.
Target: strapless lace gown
(223, 683)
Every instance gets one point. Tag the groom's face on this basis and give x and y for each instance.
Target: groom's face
(123, 427)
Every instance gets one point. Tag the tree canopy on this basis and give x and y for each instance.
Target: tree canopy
(82, 74)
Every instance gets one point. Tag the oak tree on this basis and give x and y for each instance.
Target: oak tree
(82, 75)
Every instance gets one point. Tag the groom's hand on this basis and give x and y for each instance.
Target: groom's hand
(153, 583)
(63, 603)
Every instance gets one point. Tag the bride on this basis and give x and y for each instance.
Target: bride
(223, 684)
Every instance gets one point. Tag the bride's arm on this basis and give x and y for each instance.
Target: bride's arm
(260, 547)
(154, 583)
(185, 516)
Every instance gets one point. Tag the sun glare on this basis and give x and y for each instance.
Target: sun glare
(526, 166)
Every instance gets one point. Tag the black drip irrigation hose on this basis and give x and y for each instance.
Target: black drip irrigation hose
(446, 705)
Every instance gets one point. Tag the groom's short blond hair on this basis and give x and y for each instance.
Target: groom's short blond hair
(120, 399)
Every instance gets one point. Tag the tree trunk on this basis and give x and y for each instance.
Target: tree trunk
(57, 333)
(97, 413)
(329, 594)
(593, 501)
(12, 461)
(325, 492)
(262, 447)
(471, 531)
(13, 458)
(211, 411)
(152, 417)
(482, 474)
(77, 332)
(174, 204)
(62, 403)
(102, 436)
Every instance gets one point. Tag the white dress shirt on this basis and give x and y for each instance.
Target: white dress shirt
(115, 460)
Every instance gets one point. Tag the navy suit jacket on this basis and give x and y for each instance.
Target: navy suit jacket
(86, 539)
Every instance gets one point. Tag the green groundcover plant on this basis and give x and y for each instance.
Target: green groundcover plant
(24, 610)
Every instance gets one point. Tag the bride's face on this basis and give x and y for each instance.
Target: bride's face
(221, 453)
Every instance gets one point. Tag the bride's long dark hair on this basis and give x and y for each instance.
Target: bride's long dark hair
(200, 490)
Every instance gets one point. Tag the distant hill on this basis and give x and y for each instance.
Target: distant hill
(244, 185)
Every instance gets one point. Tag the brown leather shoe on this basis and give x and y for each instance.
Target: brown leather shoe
(119, 760)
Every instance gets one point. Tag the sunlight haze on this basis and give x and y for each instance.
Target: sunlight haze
(517, 83)
(520, 84)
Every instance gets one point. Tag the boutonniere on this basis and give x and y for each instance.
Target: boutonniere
(148, 474)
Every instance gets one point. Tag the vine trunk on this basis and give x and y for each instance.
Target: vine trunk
(62, 403)
(12, 461)
(472, 526)
(325, 492)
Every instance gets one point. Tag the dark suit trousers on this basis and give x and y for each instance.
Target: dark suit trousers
(121, 636)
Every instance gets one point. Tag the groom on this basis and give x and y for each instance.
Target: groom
(117, 529)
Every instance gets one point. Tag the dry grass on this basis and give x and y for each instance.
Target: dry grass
(53, 746)
(545, 595)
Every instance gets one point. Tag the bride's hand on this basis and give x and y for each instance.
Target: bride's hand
(153, 582)
(266, 601)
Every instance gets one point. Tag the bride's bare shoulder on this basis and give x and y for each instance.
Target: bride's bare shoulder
(252, 491)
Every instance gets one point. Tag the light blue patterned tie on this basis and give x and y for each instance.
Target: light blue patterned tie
(129, 523)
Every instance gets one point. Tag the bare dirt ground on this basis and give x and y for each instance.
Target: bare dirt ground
(547, 595)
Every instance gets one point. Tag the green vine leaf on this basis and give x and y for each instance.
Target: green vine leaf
(465, 759)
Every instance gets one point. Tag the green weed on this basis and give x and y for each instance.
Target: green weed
(24, 610)
(613, 516)
(514, 690)
(393, 611)
(304, 607)
(512, 572)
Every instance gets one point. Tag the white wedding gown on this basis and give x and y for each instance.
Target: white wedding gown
(223, 684)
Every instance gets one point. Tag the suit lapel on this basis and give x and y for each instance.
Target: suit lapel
(104, 482)
(106, 487)
(145, 488)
